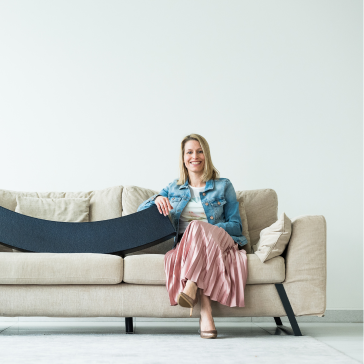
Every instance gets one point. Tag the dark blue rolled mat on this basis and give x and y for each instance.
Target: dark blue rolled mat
(118, 236)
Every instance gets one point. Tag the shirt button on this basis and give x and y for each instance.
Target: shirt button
(206, 203)
(173, 198)
(204, 194)
(219, 203)
(211, 217)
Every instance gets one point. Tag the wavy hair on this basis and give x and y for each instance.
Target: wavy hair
(209, 172)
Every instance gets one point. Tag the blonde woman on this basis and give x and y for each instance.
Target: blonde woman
(207, 250)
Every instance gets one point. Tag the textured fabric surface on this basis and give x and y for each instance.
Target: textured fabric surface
(273, 239)
(261, 207)
(132, 197)
(54, 209)
(60, 268)
(306, 265)
(149, 269)
(125, 300)
(104, 204)
(208, 256)
(114, 236)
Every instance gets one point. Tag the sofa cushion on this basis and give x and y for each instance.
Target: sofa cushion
(133, 196)
(261, 207)
(54, 209)
(149, 269)
(60, 268)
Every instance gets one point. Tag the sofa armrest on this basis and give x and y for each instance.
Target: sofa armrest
(306, 269)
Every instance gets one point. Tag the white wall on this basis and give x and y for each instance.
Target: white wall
(100, 93)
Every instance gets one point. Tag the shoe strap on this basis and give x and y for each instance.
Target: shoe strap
(189, 299)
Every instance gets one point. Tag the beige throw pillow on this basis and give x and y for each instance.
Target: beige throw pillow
(54, 209)
(273, 239)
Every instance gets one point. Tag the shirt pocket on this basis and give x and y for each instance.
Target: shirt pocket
(218, 202)
(218, 206)
(174, 201)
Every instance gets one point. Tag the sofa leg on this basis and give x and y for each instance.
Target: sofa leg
(129, 325)
(288, 308)
(278, 321)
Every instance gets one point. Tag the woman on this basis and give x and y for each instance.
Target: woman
(206, 252)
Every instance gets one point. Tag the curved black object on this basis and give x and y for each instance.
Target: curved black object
(118, 236)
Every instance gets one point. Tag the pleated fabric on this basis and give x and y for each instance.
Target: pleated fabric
(208, 256)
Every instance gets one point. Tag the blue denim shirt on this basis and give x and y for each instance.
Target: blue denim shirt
(218, 200)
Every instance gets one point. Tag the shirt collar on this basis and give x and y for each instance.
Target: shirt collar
(209, 185)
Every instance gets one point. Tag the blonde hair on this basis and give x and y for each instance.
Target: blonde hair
(209, 172)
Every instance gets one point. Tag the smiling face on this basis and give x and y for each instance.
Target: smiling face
(193, 157)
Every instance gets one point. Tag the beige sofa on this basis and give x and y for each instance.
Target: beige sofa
(98, 285)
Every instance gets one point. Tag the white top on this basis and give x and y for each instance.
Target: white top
(193, 210)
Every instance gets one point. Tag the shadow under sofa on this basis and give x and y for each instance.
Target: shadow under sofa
(102, 285)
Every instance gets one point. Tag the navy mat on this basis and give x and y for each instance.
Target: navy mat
(119, 236)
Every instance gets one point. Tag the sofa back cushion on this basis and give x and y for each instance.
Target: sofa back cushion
(54, 209)
(261, 207)
(104, 204)
(133, 196)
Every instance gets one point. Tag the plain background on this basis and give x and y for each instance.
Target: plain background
(95, 94)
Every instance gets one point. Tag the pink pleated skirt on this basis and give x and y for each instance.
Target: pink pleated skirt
(208, 256)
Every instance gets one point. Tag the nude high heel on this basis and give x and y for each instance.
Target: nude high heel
(209, 334)
(186, 301)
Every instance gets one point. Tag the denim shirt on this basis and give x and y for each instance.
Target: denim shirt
(218, 200)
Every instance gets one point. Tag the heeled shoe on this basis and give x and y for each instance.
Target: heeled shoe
(185, 300)
(209, 334)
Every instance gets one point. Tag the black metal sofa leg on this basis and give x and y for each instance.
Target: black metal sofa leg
(278, 321)
(129, 325)
(288, 308)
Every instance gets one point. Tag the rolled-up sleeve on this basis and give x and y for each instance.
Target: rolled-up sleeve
(151, 200)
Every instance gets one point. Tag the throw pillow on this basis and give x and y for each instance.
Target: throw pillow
(273, 239)
(54, 209)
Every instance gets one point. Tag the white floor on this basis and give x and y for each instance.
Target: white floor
(347, 338)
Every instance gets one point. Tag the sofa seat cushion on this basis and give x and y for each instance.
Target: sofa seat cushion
(149, 269)
(60, 268)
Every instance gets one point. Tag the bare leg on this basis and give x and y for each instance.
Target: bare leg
(207, 321)
(190, 289)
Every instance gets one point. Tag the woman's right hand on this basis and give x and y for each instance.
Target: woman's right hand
(163, 204)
